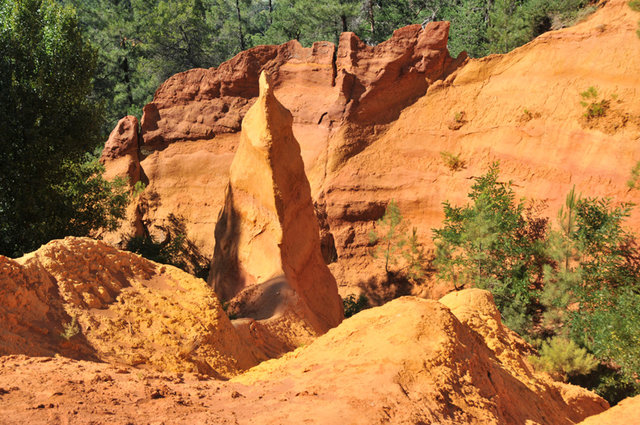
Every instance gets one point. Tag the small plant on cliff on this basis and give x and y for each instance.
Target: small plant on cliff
(453, 162)
(562, 358)
(70, 329)
(632, 183)
(392, 244)
(594, 108)
(635, 5)
(459, 119)
(138, 188)
(352, 305)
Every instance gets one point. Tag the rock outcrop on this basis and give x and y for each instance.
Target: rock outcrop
(268, 265)
(627, 412)
(372, 124)
(190, 130)
(410, 361)
(120, 153)
(115, 306)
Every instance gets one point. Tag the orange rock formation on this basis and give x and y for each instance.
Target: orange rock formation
(627, 412)
(121, 151)
(267, 264)
(127, 310)
(372, 125)
(410, 361)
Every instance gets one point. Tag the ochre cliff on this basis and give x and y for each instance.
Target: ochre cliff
(189, 132)
(267, 263)
(373, 122)
(410, 361)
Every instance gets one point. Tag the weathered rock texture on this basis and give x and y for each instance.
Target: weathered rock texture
(627, 412)
(411, 361)
(336, 96)
(121, 151)
(372, 125)
(267, 263)
(128, 310)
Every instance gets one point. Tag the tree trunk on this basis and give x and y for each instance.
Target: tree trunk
(372, 21)
(240, 34)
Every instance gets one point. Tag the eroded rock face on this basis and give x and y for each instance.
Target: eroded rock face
(410, 361)
(201, 103)
(372, 125)
(268, 264)
(627, 412)
(128, 310)
(120, 153)
(191, 129)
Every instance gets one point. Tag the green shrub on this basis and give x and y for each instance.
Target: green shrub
(562, 358)
(392, 244)
(138, 188)
(594, 108)
(596, 270)
(71, 329)
(453, 162)
(352, 305)
(494, 243)
(632, 183)
(607, 381)
(169, 252)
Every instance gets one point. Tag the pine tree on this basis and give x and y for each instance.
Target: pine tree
(392, 244)
(507, 28)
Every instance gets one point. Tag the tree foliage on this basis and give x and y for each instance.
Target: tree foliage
(48, 188)
(563, 358)
(493, 244)
(401, 252)
(583, 276)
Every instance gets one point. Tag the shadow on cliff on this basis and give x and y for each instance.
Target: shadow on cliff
(225, 269)
(177, 250)
(380, 289)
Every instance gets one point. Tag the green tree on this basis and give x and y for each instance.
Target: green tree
(49, 122)
(494, 244)
(593, 290)
(507, 27)
(469, 23)
(608, 320)
(562, 273)
(563, 358)
(309, 21)
(393, 244)
(111, 26)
